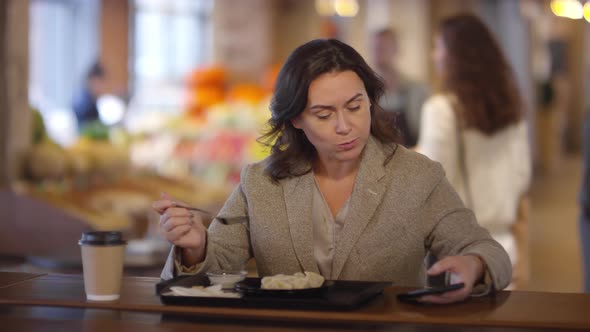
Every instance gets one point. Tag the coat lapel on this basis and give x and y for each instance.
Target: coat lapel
(298, 194)
(366, 196)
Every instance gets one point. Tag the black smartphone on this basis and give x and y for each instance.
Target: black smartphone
(414, 295)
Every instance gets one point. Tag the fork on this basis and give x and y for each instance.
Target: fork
(226, 221)
(193, 208)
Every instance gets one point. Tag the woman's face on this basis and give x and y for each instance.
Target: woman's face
(439, 55)
(337, 118)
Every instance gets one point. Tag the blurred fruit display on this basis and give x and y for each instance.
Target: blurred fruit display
(94, 181)
(110, 176)
(216, 134)
(205, 88)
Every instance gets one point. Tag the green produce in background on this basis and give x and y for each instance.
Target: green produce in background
(39, 131)
(95, 130)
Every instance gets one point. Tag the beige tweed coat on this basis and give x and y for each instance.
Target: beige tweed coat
(398, 212)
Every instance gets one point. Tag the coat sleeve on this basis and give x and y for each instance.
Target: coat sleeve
(453, 230)
(228, 246)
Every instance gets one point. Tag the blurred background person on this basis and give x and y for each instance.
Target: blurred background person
(85, 102)
(403, 96)
(474, 126)
(585, 204)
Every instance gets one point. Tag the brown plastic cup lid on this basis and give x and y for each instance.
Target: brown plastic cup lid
(97, 238)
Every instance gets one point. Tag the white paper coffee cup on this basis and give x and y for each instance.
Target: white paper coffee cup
(103, 254)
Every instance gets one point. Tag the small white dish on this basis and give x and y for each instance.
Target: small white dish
(227, 279)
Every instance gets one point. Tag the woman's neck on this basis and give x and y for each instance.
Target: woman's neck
(336, 170)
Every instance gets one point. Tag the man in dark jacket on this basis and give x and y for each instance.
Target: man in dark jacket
(85, 106)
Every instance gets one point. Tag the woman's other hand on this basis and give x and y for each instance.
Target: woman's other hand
(183, 228)
(467, 269)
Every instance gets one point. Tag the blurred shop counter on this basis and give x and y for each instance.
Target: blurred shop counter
(42, 222)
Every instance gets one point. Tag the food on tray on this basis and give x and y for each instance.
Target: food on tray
(211, 291)
(296, 281)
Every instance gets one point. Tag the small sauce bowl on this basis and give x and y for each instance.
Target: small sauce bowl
(227, 279)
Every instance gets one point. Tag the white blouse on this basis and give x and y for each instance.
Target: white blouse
(326, 230)
(498, 166)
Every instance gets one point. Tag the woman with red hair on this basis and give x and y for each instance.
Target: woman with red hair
(474, 126)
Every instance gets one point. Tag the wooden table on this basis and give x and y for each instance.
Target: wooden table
(40, 303)
(8, 279)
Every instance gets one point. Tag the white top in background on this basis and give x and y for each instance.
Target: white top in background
(498, 166)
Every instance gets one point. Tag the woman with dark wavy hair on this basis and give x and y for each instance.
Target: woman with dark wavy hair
(292, 153)
(475, 128)
(337, 196)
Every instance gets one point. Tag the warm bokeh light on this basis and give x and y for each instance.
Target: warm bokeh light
(587, 11)
(567, 8)
(325, 7)
(346, 8)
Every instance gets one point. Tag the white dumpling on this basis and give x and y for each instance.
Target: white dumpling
(300, 283)
(315, 280)
(278, 282)
(296, 281)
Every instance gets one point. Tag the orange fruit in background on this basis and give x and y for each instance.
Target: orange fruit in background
(201, 98)
(207, 76)
(246, 92)
(208, 96)
(270, 77)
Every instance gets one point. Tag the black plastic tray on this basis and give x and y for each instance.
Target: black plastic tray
(334, 295)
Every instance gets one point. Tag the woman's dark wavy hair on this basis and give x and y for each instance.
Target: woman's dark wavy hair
(478, 74)
(291, 153)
